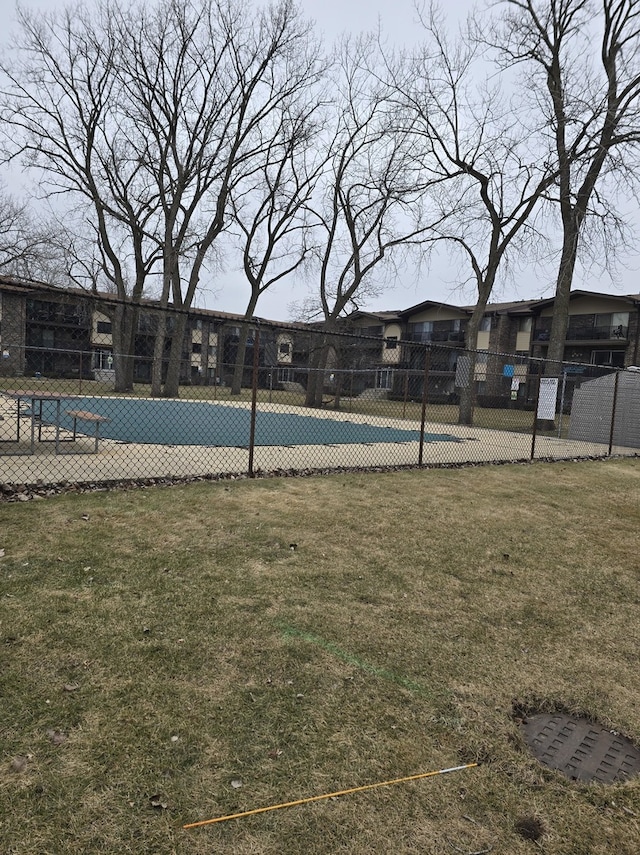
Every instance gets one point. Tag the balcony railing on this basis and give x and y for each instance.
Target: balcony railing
(591, 333)
(598, 333)
(437, 336)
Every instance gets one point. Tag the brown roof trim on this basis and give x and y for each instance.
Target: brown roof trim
(388, 316)
(429, 304)
(14, 284)
(21, 286)
(581, 292)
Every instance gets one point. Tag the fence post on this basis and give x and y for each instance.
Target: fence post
(406, 394)
(423, 417)
(562, 394)
(613, 410)
(254, 396)
(534, 429)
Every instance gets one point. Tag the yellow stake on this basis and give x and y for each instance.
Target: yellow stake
(331, 795)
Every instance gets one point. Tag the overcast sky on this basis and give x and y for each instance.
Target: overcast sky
(397, 18)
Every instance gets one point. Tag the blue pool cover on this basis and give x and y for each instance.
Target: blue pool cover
(173, 422)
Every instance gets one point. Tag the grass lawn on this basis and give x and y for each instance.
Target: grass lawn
(171, 655)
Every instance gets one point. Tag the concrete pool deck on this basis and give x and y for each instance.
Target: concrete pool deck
(116, 461)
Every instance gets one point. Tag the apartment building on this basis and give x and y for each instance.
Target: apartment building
(56, 332)
(603, 331)
(68, 333)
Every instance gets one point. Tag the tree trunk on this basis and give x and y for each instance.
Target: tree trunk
(123, 338)
(130, 326)
(238, 371)
(318, 363)
(158, 355)
(172, 380)
(465, 412)
(560, 321)
(338, 394)
(312, 377)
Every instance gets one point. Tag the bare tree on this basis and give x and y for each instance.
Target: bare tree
(581, 61)
(151, 115)
(371, 201)
(29, 249)
(59, 108)
(203, 83)
(484, 158)
(48, 248)
(269, 210)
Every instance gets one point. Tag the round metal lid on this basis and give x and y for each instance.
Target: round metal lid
(580, 749)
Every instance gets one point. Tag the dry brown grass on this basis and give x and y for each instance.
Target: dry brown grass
(178, 642)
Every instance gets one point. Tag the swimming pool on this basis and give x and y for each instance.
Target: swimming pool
(175, 422)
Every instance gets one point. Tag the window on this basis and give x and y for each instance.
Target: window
(196, 347)
(602, 320)
(384, 378)
(601, 326)
(71, 315)
(103, 359)
(147, 322)
(543, 329)
(619, 324)
(449, 330)
(284, 348)
(485, 324)
(39, 310)
(421, 332)
(615, 358)
(525, 324)
(373, 332)
(104, 327)
(391, 342)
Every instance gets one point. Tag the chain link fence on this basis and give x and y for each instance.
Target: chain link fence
(251, 398)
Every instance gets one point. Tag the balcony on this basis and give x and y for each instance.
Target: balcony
(597, 333)
(53, 314)
(436, 336)
(586, 333)
(370, 332)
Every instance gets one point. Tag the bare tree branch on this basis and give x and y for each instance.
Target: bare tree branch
(476, 141)
(582, 63)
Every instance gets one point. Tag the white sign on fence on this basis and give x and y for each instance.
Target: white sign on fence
(547, 398)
